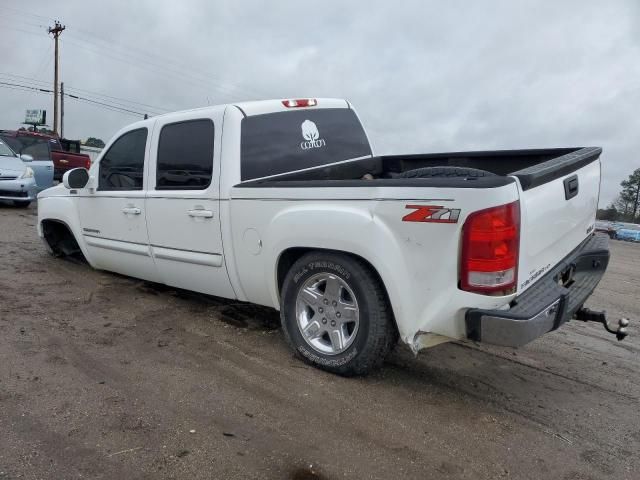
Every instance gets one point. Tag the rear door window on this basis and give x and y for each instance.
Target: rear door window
(185, 155)
(283, 142)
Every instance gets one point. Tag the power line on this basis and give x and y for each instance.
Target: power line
(116, 100)
(107, 49)
(156, 68)
(22, 12)
(16, 86)
(96, 40)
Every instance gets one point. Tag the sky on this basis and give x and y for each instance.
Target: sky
(424, 76)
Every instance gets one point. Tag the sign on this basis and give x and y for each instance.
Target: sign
(35, 117)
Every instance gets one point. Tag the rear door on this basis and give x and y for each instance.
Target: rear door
(183, 205)
(556, 216)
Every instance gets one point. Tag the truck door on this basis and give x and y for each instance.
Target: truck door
(182, 203)
(113, 218)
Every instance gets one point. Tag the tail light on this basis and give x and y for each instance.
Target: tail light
(490, 248)
(300, 102)
(87, 163)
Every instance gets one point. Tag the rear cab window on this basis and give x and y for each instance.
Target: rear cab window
(283, 142)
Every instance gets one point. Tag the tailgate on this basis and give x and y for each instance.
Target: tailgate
(558, 203)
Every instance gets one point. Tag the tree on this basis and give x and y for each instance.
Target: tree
(610, 213)
(631, 194)
(94, 142)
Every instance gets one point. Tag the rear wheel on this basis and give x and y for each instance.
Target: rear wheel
(335, 314)
(22, 203)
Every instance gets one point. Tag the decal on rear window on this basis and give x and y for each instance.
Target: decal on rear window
(311, 134)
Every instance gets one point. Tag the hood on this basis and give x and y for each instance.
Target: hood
(11, 166)
(55, 191)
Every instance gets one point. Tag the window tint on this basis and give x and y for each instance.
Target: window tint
(185, 156)
(287, 141)
(122, 166)
(37, 147)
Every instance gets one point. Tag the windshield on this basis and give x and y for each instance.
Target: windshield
(38, 148)
(5, 151)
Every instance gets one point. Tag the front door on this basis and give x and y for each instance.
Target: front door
(113, 218)
(182, 204)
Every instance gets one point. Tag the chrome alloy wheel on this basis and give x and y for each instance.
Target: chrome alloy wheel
(327, 313)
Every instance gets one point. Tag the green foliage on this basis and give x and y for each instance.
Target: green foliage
(610, 213)
(94, 142)
(628, 201)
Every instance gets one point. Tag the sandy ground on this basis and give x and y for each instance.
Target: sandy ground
(103, 377)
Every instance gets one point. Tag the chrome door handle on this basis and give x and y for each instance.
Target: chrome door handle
(200, 213)
(131, 211)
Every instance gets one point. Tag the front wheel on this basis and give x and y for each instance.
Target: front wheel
(335, 314)
(22, 203)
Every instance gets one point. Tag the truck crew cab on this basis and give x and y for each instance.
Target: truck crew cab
(282, 203)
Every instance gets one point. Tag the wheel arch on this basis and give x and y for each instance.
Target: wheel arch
(61, 210)
(52, 228)
(291, 255)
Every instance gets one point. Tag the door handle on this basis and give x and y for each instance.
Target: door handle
(200, 213)
(131, 211)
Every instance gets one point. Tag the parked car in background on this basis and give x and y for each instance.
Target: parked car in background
(630, 233)
(283, 203)
(17, 178)
(606, 227)
(42, 146)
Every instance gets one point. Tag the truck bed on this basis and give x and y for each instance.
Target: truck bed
(532, 167)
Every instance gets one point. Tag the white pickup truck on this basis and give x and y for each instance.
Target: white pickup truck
(282, 203)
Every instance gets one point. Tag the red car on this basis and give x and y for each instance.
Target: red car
(48, 146)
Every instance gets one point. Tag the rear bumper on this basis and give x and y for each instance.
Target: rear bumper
(546, 305)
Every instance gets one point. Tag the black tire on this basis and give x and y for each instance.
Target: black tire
(22, 203)
(376, 335)
(449, 172)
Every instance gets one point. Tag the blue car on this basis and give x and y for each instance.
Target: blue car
(628, 235)
(17, 178)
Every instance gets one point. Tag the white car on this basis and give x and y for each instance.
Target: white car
(282, 203)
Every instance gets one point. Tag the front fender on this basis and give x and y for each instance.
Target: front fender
(62, 209)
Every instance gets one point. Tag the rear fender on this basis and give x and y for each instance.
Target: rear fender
(352, 230)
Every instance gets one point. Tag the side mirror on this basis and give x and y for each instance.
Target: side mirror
(75, 178)
(26, 157)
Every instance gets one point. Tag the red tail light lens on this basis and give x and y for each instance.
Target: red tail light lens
(490, 249)
(87, 163)
(300, 102)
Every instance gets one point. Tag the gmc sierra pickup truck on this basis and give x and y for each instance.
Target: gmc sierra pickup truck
(282, 203)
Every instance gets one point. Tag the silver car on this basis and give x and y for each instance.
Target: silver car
(17, 179)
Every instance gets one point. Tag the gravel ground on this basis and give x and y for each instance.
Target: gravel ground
(103, 376)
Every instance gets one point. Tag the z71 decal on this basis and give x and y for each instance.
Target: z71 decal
(432, 214)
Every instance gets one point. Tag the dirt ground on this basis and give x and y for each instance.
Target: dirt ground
(104, 377)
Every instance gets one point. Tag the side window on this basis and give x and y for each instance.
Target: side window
(185, 156)
(122, 166)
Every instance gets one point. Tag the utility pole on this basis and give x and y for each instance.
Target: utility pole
(61, 109)
(56, 31)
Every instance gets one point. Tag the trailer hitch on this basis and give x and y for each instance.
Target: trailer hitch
(587, 315)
